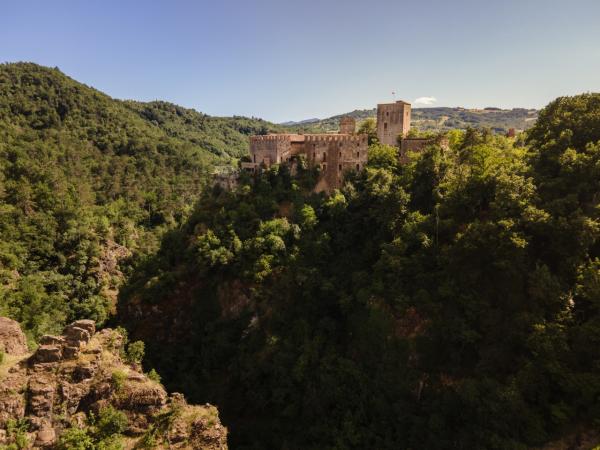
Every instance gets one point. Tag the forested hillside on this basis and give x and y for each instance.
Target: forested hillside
(453, 303)
(88, 184)
(440, 119)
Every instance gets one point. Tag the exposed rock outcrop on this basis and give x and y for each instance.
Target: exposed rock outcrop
(12, 339)
(75, 376)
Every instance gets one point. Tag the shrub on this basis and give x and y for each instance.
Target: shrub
(16, 431)
(75, 439)
(110, 422)
(118, 379)
(135, 352)
(154, 376)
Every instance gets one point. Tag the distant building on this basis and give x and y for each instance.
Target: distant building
(347, 125)
(415, 145)
(334, 154)
(393, 121)
(225, 177)
(393, 125)
(511, 133)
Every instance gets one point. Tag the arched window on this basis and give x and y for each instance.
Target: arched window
(358, 167)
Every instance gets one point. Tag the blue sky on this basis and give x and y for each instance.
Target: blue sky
(284, 60)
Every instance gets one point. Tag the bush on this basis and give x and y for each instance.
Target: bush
(75, 439)
(110, 422)
(154, 376)
(118, 379)
(16, 431)
(135, 352)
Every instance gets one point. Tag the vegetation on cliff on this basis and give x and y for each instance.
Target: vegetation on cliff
(450, 303)
(88, 184)
(84, 390)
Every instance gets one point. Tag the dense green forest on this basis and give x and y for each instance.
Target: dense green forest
(450, 303)
(438, 119)
(88, 185)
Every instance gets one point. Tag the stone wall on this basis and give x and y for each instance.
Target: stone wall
(417, 145)
(274, 148)
(347, 125)
(335, 154)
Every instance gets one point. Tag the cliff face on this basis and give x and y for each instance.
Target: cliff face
(77, 386)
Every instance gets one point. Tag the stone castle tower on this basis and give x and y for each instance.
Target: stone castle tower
(393, 120)
(347, 125)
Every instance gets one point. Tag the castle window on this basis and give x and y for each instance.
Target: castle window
(324, 156)
(340, 167)
(324, 167)
(358, 154)
(340, 154)
(254, 158)
(384, 126)
(358, 167)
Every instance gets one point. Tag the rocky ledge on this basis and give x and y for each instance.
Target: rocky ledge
(77, 387)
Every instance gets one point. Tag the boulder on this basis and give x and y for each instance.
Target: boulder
(45, 436)
(48, 339)
(70, 352)
(77, 335)
(12, 338)
(47, 353)
(83, 372)
(88, 325)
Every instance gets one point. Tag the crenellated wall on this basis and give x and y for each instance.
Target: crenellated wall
(274, 148)
(333, 153)
(336, 154)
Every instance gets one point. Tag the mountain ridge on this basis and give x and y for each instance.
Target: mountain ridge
(438, 119)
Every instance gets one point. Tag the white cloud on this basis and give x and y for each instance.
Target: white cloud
(427, 101)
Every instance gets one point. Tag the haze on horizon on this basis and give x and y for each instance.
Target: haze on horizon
(295, 61)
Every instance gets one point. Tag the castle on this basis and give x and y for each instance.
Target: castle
(336, 153)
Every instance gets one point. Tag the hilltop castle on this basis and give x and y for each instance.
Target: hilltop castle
(334, 154)
(337, 153)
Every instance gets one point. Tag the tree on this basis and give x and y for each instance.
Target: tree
(369, 127)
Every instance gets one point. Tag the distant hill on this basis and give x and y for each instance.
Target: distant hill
(88, 182)
(443, 118)
(302, 122)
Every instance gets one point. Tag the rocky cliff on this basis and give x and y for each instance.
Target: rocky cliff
(78, 388)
